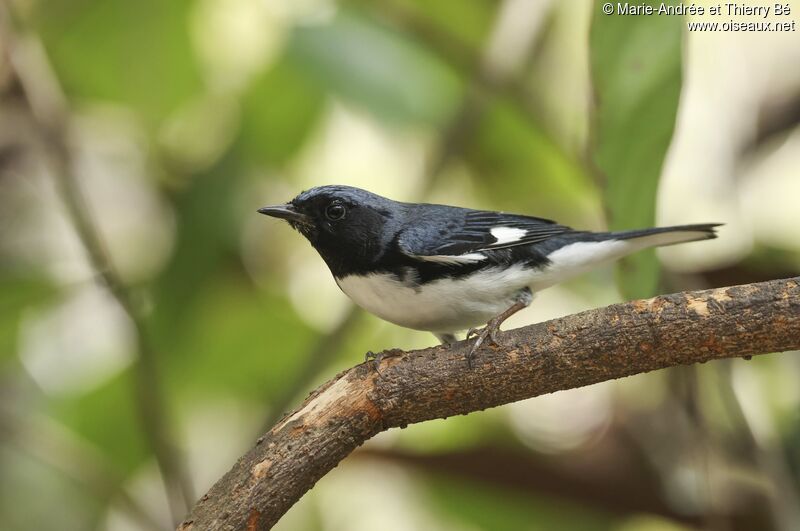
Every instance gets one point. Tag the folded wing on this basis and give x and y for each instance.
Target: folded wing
(462, 235)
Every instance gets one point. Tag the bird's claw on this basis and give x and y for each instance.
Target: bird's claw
(481, 335)
(376, 359)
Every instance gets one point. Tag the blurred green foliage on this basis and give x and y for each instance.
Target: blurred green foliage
(220, 310)
(637, 86)
(134, 53)
(281, 107)
(20, 292)
(399, 80)
(490, 508)
(106, 418)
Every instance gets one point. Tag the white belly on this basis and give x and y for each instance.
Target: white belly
(447, 305)
(441, 306)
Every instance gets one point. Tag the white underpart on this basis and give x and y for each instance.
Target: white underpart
(449, 305)
(441, 306)
(505, 235)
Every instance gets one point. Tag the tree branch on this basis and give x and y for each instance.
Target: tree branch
(577, 350)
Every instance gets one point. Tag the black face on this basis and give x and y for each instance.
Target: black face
(349, 227)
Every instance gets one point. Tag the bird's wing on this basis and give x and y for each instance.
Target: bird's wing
(461, 235)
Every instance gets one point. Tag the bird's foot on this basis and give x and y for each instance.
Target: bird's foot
(481, 335)
(523, 299)
(376, 359)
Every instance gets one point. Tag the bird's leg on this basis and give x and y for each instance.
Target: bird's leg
(445, 338)
(523, 300)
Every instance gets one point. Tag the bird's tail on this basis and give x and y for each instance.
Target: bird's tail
(661, 236)
(589, 249)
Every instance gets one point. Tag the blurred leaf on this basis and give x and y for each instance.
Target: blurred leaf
(636, 68)
(136, 53)
(484, 507)
(522, 169)
(216, 331)
(375, 67)
(207, 232)
(455, 434)
(240, 343)
(470, 22)
(107, 417)
(278, 112)
(29, 484)
(17, 294)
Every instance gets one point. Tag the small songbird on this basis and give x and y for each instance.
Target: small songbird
(443, 268)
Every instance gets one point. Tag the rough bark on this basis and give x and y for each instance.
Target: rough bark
(577, 350)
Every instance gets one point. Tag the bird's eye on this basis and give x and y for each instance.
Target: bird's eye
(335, 211)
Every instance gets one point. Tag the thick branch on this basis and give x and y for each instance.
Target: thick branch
(582, 349)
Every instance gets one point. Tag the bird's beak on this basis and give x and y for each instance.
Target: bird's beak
(286, 212)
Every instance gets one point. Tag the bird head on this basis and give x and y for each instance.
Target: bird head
(348, 227)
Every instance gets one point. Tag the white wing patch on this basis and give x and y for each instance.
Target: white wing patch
(469, 258)
(505, 235)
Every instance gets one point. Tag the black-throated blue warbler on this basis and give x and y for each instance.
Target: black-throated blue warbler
(444, 269)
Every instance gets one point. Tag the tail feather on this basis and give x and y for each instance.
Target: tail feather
(661, 236)
(592, 248)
